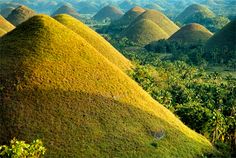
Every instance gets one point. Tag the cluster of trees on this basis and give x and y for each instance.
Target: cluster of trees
(206, 102)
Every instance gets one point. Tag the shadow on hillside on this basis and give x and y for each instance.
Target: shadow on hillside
(88, 125)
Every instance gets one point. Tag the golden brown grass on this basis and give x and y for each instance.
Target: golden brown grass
(97, 41)
(192, 33)
(144, 32)
(2, 32)
(5, 25)
(110, 12)
(57, 87)
(160, 19)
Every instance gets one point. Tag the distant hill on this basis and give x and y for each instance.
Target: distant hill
(160, 19)
(2, 32)
(194, 13)
(202, 15)
(97, 41)
(191, 33)
(85, 7)
(108, 12)
(128, 17)
(65, 9)
(6, 11)
(223, 39)
(144, 31)
(127, 5)
(20, 14)
(57, 87)
(5, 25)
(153, 6)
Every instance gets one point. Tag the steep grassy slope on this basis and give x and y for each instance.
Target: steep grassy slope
(2, 32)
(65, 9)
(191, 33)
(5, 25)
(194, 13)
(110, 12)
(97, 41)
(160, 19)
(144, 31)
(57, 87)
(20, 14)
(129, 17)
(153, 6)
(225, 38)
(6, 11)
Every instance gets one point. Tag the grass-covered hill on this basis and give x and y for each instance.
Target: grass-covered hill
(194, 12)
(153, 6)
(5, 25)
(108, 12)
(97, 41)
(2, 32)
(128, 17)
(6, 11)
(86, 7)
(191, 33)
(65, 9)
(20, 14)
(160, 19)
(57, 87)
(143, 32)
(223, 39)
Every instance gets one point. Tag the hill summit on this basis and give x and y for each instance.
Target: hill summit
(144, 31)
(20, 14)
(97, 41)
(5, 25)
(108, 12)
(57, 87)
(65, 9)
(160, 19)
(223, 39)
(191, 33)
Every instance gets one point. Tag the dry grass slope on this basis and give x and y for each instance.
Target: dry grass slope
(20, 14)
(110, 12)
(160, 19)
(66, 10)
(57, 87)
(192, 33)
(5, 25)
(226, 37)
(129, 17)
(2, 32)
(144, 32)
(97, 41)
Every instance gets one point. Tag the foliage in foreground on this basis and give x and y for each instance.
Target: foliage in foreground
(20, 149)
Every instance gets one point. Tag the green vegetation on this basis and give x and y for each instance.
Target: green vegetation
(20, 14)
(20, 149)
(192, 33)
(97, 41)
(6, 11)
(5, 25)
(143, 32)
(160, 19)
(65, 9)
(57, 87)
(108, 13)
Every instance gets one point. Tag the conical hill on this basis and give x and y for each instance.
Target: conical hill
(223, 39)
(55, 86)
(160, 19)
(192, 33)
(129, 16)
(5, 25)
(97, 41)
(108, 12)
(65, 9)
(144, 31)
(6, 11)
